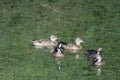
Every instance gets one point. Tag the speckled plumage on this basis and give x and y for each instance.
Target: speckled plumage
(45, 43)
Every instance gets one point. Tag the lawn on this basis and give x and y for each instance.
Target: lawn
(97, 22)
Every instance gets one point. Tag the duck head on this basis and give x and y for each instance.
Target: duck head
(78, 41)
(99, 50)
(53, 38)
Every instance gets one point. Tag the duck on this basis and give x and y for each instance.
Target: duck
(96, 58)
(73, 48)
(45, 43)
(58, 54)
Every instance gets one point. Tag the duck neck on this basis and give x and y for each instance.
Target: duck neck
(98, 53)
(99, 57)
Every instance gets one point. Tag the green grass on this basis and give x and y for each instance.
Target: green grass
(96, 21)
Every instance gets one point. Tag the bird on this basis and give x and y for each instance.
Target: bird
(96, 58)
(58, 51)
(45, 43)
(58, 54)
(73, 48)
